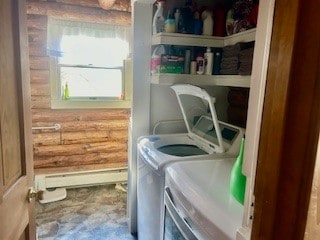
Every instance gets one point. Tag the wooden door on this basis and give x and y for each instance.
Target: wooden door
(16, 171)
(290, 123)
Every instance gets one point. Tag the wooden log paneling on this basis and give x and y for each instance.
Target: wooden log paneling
(119, 5)
(89, 139)
(40, 89)
(37, 22)
(39, 76)
(105, 147)
(79, 168)
(39, 63)
(98, 125)
(119, 124)
(58, 116)
(40, 102)
(37, 49)
(79, 13)
(83, 148)
(96, 136)
(43, 138)
(46, 138)
(81, 159)
(37, 36)
(83, 3)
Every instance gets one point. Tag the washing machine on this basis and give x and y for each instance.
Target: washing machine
(197, 202)
(207, 138)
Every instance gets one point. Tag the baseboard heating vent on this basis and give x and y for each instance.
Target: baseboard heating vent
(54, 184)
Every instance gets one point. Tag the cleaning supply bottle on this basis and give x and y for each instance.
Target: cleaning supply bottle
(156, 59)
(208, 59)
(177, 18)
(170, 24)
(207, 27)
(200, 64)
(237, 179)
(197, 23)
(66, 94)
(230, 22)
(158, 22)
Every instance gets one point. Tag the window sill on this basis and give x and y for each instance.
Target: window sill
(72, 104)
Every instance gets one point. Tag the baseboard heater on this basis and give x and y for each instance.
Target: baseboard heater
(54, 185)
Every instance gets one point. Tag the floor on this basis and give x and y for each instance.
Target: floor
(89, 213)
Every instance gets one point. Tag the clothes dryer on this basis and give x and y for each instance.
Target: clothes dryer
(207, 138)
(198, 203)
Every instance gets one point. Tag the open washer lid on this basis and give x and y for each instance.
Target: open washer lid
(200, 116)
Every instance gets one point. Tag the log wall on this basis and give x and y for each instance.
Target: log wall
(88, 139)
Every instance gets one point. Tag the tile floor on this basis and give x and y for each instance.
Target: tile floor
(88, 213)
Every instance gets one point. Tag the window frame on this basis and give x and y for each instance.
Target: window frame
(86, 103)
(57, 101)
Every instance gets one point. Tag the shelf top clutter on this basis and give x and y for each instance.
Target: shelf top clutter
(201, 40)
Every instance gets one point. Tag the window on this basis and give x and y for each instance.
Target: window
(87, 65)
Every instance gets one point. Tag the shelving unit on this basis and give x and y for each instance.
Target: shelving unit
(202, 41)
(187, 40)
(247, 36)
(202, 80)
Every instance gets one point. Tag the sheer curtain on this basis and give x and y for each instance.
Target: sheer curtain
(88, 43)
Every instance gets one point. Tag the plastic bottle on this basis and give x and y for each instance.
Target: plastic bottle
(66, 94)
(187, 61)
(207, 28)
(208, 59)
(176, 18)
(229, 23)
(170, 24)
(181, 22)
(193, 67)
(237, 179)
(200, 65)
(185, 23)
(217, 62)
(156, 58)
(197, 28)
(158, 19)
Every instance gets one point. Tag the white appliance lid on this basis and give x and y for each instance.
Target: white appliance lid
(200, 116)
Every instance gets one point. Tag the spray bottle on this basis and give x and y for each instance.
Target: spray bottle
(237, 179)
(158, 22)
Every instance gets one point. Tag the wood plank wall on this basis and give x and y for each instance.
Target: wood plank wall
(88, 139)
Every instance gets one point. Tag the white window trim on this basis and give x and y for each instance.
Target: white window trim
(58, 103)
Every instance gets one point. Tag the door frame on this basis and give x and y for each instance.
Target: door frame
(25, 110)
(290, 123)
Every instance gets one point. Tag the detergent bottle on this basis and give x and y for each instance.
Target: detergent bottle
(237, 179)
(207, 27)
(156, 59)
